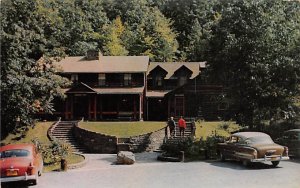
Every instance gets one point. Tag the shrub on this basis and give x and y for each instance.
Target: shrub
(54, 152)
(194, 149)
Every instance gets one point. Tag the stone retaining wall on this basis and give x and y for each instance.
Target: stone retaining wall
(96, 142)
(101, 143)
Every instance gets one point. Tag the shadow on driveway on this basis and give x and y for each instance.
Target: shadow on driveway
(237, 165)
(15, 185)
(144, 157)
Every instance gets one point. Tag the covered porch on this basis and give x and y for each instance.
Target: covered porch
(104, 104)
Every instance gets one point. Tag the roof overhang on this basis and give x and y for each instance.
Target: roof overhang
(136, 90)
(156, 94)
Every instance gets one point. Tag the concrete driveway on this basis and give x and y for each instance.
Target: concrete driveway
(101, 171)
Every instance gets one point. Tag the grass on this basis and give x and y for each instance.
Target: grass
(40, 132)
(122, 129)
(72, 159)
(204, 129)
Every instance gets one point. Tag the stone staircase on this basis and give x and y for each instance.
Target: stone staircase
(64, 131)
(189, 132)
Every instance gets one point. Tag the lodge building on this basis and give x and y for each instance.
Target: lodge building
(132, 88)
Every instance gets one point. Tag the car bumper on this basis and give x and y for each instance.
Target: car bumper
(19, 178)
(271, 158)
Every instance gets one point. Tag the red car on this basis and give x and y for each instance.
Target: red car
(20, 162)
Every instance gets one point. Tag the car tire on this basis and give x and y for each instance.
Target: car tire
(275, 163)
(246, 163)
(35, 182)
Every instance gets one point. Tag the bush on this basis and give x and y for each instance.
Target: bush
(174, 148)
(53, 153)
(201, 149)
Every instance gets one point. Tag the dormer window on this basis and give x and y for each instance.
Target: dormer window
(182, 79)
(158, 80)
(74, 78)
(101, 79)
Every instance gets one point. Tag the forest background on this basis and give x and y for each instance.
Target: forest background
(251, 47)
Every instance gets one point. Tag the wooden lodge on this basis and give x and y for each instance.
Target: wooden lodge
(132, 88)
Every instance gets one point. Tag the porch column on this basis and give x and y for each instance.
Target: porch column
(67, 108)
(71, 103)
(169, 107)
(89, 111)
(134, 107)
(100, 106)
(140, 107)
(95, 107)
(147, 108)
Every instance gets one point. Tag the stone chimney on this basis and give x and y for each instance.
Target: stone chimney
(93, 54)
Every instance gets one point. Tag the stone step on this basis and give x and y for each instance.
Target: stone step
(63, 132)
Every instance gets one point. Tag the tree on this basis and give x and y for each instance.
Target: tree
(27, 85)
(190, 19)
(148, 31)
(114, 33)
(254, 51)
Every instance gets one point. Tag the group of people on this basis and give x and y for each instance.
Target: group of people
(181, 125)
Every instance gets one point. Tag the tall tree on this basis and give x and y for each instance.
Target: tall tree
(254, 51)
(190, 19)
(27, 85)
(114, 32)
(148, 32)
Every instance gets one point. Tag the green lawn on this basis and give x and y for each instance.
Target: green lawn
(39, 132)
(122, 129)
(204, 129)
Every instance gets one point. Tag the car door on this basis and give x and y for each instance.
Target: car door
(231, 147)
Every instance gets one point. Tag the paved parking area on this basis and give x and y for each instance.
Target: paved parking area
(101, 171)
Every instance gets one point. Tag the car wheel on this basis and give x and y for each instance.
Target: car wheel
(275, 163)
(35, 182)
(246, 163)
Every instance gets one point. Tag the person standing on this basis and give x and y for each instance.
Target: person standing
(171, 125)
(182, 126)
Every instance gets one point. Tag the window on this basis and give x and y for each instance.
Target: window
(74, 78)
(101, 79)
(14, 153)
(182, 80)
(127, 79)
(158, 81)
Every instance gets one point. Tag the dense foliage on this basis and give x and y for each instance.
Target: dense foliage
(252, 47)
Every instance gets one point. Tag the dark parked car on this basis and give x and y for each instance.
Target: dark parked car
(291, 139)
(250, 147)
(20, 162)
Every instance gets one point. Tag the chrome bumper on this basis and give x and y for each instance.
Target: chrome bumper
(271, 158)
(18, 178)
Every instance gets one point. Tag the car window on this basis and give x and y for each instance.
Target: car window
(233, 139)
(259, 140)
(14, 153)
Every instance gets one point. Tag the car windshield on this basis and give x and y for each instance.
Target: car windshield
(259, 140)
(14, 153)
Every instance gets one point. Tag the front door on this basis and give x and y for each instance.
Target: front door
(81, 106)
(157, 109)
(179, 106)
